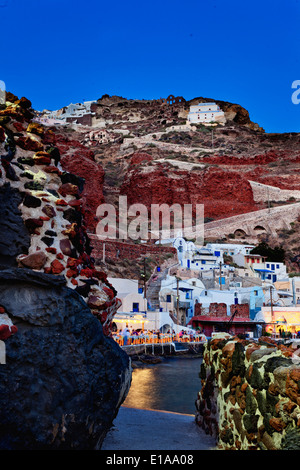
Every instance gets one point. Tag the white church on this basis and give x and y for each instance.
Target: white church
(206, 113)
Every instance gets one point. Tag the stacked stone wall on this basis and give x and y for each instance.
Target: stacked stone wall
(217, 309)
(250, 395)
(265, 192)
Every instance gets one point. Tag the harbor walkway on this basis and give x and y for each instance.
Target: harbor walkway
(136, 429)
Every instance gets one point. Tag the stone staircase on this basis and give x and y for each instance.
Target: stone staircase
(153, 288)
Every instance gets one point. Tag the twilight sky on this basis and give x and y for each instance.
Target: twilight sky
(56, 52)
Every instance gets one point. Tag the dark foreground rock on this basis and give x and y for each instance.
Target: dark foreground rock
(63, 380)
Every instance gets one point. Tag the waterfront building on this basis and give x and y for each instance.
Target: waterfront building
(130, 294)
(135, 313)
(217, 320)
(280, 319)
(253, 296)
(268, 271)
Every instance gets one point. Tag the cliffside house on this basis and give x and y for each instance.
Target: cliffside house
(205, 113)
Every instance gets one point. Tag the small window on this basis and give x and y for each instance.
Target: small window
(168, 298)
(135, 307)
(256, 292)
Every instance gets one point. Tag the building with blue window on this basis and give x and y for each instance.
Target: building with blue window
(253, 296)
(268, 271)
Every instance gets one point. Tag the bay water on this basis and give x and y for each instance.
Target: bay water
(171, 385)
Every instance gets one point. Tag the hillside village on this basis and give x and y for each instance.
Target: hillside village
(250, 188)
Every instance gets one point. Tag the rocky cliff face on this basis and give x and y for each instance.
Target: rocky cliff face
(64, 379)
(219, 192)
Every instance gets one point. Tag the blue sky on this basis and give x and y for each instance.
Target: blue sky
(60, 51)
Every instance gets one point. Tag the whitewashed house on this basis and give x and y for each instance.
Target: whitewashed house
(206, 113)
(128, 292)
(236, 251)
(253, 296)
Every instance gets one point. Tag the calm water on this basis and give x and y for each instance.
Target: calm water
(171, 386)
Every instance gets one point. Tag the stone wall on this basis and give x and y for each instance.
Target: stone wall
(251, 224)
(250, 395)
(265, 192)
(217, 309)
(119, 250)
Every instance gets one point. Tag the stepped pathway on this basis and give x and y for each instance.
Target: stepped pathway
(136, 429)
(153, 288)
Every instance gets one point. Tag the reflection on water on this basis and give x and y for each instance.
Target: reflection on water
(171, 386)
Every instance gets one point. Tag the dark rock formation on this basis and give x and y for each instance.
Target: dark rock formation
(14, 237)
(63, 380)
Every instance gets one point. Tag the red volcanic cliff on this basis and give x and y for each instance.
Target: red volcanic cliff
(78, 159)
(223, 193)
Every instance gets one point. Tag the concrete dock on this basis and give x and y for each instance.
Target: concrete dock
(136, 429)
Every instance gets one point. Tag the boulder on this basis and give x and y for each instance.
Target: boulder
(63, 381)
(34, 261)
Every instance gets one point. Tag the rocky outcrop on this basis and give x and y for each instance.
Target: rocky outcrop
(63, 380)
(250, 395)
(233, 112)
(43, 210)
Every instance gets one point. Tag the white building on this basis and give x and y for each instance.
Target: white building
(128, 292)
(234, 250)
(253, 296)
(189, 291)
(206, 113)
